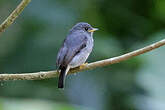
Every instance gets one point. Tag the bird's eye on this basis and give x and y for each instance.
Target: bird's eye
(86, 28)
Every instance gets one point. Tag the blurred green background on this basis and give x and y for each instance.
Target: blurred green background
(32, 42)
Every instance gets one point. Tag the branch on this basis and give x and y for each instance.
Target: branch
(14, 15)
(51, 74)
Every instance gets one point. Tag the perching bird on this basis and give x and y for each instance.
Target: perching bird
(75, 49)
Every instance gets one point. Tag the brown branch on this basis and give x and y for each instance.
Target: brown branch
(51, 74)
(11, 18)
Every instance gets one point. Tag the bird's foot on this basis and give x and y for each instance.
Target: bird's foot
(83, 65)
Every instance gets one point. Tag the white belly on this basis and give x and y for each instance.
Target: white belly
(81, 57)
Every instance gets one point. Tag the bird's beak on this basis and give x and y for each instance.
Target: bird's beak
(93, 29)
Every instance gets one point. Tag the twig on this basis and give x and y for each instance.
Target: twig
(14, 15)
(51, 74)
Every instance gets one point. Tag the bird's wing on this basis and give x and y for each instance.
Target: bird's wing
(72, 45)
(61, 54)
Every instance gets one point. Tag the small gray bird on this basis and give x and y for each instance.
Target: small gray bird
(75, 49)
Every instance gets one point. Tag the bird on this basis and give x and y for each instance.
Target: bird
(75, 49)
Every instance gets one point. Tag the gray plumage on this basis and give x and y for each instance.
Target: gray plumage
(75, 49)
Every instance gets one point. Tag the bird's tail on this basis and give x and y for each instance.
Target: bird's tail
(63, 73)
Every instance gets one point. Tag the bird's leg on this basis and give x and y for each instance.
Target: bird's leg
(83, 65)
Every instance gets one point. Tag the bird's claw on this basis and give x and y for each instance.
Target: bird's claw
(83, 65)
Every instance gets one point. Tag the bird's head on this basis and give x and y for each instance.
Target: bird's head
(84, 27)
